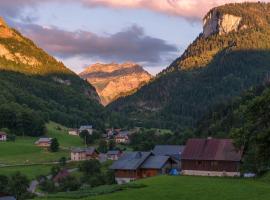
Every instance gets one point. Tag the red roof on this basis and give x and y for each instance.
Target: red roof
(61, 175)
(211, 149)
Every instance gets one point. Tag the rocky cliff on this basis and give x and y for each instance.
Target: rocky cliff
(115, 80)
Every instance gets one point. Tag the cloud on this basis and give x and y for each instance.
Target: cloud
(191, 9)
(130, 44)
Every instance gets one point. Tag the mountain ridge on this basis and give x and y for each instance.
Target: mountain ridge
(115, 80)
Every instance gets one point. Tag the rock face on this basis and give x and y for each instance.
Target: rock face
(115, 80)
(217, 23)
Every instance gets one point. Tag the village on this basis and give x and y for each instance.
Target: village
(198, 157)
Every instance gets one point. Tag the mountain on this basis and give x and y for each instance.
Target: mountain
(228, 57)
(115, 80)
(36, 88)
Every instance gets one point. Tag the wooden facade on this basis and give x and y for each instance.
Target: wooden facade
(137, 174)
(208, 165)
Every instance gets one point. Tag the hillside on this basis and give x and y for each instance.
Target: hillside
(115, 80)
(35, 88)
(231, 55)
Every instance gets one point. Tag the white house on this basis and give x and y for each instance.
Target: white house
(88, 128)
(3, 136)
(74, 132)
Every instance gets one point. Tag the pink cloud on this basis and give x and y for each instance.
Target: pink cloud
(185, 8)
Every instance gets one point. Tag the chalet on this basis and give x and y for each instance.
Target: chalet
(173, 151)
(7, 197)
(44, 142)
(136, 165)
(122, 137)
(88, 128)
(74, 132)
(114, 155)
(211, 157)
(3, 136)
(89, 153)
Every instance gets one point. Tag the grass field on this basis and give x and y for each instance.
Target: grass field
(30, 171)
(24, 151)
(188, 188)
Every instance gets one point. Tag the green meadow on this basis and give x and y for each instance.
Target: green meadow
(180, 188)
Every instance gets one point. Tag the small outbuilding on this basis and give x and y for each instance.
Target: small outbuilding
(3, 136)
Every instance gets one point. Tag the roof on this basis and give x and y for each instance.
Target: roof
(61, 175)
(8, 198)
(2, 133)
(130, 161)
(115, 152)
(124, 133)
(89, 150)
(86, 127)
(169, 150)
(211, 149)
(155, 162)
(44, 140)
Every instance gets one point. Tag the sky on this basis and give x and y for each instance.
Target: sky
(152, 33)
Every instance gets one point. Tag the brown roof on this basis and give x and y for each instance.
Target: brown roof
(211, 149)
(2, 133)
(61, 175)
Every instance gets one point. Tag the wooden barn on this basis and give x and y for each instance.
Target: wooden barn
(136, 165)
(211, 157)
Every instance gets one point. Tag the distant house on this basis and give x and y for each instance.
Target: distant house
(136, 165)
(3, 136)
(114, 155)
(74, 132)
(211, 157)
(61, 175)
(44, 142)
(88, 128)
(122, 137)
(89, 153)
(173, 151)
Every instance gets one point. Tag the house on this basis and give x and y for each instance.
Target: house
(136, 165)
(3, 136)
(114, 155)
(173, 151)
(44, 142)
(61, 175)
(74, 132)
(122, 137)
(211, 157)
(89, 153)
(88, 128)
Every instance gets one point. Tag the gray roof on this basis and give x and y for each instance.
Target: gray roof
(174, 151)
(86, 127)
(115, 152)
(130, 161)
(155, 162)
(89, 150)
(44, 140)
(7, 198)
(124, 133)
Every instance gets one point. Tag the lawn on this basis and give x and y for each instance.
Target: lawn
(61, 133)
(24, 151)
(30, 171)
(189, 188)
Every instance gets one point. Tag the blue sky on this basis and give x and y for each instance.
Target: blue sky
(83, 32)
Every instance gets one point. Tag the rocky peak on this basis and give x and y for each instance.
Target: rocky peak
(115, 80)
(220, 23)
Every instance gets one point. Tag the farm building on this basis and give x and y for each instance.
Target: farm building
(3, 136)
(114, 155)
(7, 197)
(74, 132)
(88, 128)
(61, 175)
(211, 157)
(89, 153)
(44, 142)
(173, 151)
(136, 165)
(122, 137)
